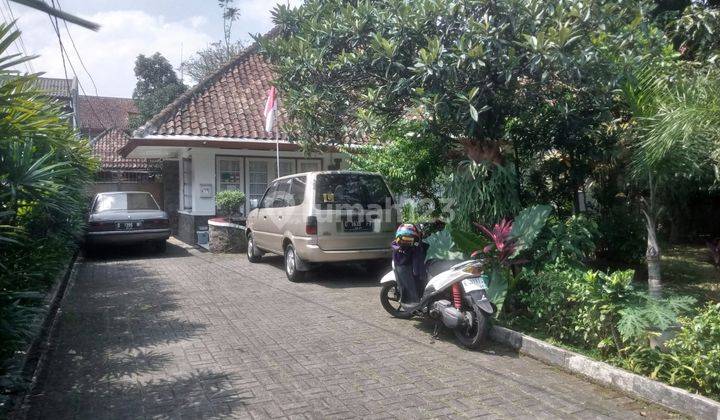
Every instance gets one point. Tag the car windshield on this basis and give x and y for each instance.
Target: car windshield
(125, 201)
(334, 191)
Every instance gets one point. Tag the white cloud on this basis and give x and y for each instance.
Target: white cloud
(110, 53)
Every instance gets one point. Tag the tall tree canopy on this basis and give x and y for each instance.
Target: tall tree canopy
(157, 85)
(209, 59)
(465, 68)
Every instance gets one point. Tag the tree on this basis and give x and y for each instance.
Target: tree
(208, 60)
(674, 133)
(464, 67)
(157, 86)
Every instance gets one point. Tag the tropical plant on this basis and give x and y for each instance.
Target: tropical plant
(675, 132)
(45, 171)
(481, 193)
(507, 240)
(690, 360)
(571, 240)
(597, 310)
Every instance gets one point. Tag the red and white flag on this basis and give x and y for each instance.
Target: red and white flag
(270, 108)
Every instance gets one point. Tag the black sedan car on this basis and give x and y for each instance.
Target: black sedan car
(127, 217)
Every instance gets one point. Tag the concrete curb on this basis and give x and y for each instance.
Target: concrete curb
(36, 357)
(675, 399)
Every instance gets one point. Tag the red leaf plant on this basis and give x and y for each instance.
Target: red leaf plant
(503, 246)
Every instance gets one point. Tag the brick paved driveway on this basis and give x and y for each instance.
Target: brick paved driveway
(192, 334)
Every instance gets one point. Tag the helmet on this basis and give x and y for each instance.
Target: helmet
(407, 234)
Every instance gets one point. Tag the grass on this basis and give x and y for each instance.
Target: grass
(686, 269)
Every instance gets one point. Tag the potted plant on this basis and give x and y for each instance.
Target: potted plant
(229, 204)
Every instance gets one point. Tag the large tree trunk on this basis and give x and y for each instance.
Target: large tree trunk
(652, 256)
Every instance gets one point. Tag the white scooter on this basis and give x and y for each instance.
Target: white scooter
(457, 296)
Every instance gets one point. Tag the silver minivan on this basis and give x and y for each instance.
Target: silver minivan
(322, 217)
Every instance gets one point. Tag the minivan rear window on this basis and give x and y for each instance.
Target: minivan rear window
(335, 191)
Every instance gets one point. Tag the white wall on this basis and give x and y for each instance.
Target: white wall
(203, 170)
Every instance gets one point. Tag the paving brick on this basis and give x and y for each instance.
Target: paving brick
(191, 334)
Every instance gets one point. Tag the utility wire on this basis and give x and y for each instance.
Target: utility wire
(77, 53)
(64, 53)
(82, 63)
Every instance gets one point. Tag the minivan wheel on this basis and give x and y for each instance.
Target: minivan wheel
(291, 265)
(253, 254)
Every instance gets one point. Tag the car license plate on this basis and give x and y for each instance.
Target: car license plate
(127, 225)
(356, 224)
(474, 283)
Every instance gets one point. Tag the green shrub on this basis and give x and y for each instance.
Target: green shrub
(230, 202)
(690, 360)
(596, 310)
(571, 240)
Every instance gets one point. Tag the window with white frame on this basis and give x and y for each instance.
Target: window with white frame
(287, 167)
(187, 183)
(229, 173)
(258, 178)
(308, 166)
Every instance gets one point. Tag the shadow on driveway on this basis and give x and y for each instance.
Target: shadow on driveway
(137, 251)
(120, 333)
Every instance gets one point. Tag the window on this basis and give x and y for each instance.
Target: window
(287, 167)
(309, 165)
(336, 190)
(229, 173)
(187, 183)
(297, 191)
(257, 179)
(125, 201)
(269, 196)
(282, 194)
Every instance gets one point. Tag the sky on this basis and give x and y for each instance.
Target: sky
(129, 28)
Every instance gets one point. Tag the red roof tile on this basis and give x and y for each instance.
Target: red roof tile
(106, 146)
(229, 103)
(98, 113)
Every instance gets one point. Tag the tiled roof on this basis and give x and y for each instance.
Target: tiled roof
(97, 113)
(227, 104)
(57, 88)
(106, 146)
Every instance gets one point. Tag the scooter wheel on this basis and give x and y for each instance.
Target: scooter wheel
(390, 300)
(475, 335)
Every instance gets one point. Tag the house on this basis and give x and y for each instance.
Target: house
(64, 91)
(105, 121)
(212, 138)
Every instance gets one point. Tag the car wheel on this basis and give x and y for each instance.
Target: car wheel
(291, 265)
(161, 246)
(253, 254)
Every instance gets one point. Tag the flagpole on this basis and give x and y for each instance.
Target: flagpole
(277, 154)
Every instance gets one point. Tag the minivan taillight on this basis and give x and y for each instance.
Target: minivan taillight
(311, 225)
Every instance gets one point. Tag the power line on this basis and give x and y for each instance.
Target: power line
(82, 63)
(77, 53)
(64, 53)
